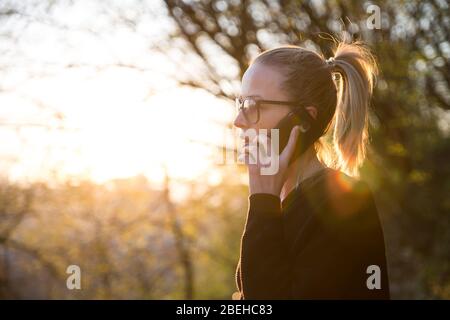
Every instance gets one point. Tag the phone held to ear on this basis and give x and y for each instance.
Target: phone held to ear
(298, 116)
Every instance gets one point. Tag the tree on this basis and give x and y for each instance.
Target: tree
(407, 162)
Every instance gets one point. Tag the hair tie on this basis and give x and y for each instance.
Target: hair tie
(331, 62)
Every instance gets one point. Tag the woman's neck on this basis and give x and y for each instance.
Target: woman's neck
(302, 168)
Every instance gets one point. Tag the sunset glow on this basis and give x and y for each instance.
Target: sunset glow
(92, 117)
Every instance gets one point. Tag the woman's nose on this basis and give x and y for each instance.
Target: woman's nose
(240, 121)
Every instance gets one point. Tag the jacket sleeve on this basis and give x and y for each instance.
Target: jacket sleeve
(331, 258)
(264, 266)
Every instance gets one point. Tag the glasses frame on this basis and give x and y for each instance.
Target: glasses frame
(239, 101)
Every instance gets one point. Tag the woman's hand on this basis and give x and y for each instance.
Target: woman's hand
(272, 184)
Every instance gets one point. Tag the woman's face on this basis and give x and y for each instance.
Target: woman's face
(263, 82)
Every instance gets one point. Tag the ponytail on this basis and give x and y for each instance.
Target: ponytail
(357, 70)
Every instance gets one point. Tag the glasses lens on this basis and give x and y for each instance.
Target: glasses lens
(251, 110)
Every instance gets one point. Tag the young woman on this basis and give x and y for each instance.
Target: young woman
(312, 229)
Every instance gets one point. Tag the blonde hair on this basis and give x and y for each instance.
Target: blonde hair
(340, 88)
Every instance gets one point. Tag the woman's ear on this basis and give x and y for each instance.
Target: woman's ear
(312, 111)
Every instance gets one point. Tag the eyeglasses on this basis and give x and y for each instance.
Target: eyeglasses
(250, 106)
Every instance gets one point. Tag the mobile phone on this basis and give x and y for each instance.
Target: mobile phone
(298, 116)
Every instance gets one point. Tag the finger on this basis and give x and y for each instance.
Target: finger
(290, 147)
(258, 149)
(263, 144)
(247, 155)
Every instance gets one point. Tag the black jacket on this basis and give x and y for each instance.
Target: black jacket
(317, 244)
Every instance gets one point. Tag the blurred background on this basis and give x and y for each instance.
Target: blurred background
(113, 117)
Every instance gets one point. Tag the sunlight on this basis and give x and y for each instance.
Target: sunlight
(102, 108)
(120, 132)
